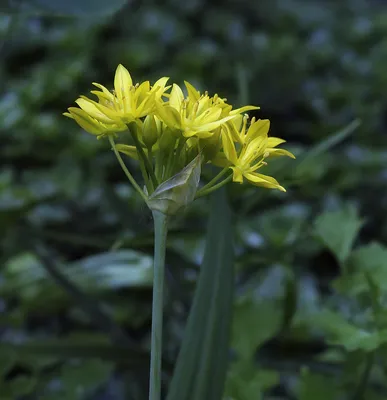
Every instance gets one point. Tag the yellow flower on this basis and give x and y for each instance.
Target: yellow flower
(93, 125)
(245, 151)
(197, 115)
(170, 132)
(127, 103)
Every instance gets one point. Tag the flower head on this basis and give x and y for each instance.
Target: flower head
(195, 115)
(125, 104)
(246, 150)
(172, 136)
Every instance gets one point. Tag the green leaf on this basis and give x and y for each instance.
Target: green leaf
(341, 332)
(200, 370)
(338, 231)
(88, 346)
(317, 387)
(7, 360)
(365, 261)
(84, 375)
(324, 146)
(17, 387)
(246, 382)
(25, 275)
(75, 8)
(255, 322)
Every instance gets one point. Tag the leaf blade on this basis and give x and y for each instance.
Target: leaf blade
(201, 367)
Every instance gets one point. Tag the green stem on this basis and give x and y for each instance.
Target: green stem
(205, 192)
(161, 231)
(214, 180)
(170, 163)
(126, 171)
(133, 130)
(362, 386)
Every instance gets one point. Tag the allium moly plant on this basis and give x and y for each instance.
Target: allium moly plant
(172, 136)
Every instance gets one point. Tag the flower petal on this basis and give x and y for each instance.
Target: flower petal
(193, 94)
(90, 107)
(169, 115)
(237, 175)
(274, 141)
(279, 152)
(122, 84)
(229, 147)
(130, 151)
(258, 128)
(263, 180)
(176, 98)
(159, 86)
(213, 125)
(242, 110)
(85, 121)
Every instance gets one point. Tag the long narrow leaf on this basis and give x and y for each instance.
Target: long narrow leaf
(200, 371)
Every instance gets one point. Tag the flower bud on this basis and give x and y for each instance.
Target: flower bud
(150, 133)
(178, 191)
(167, 140)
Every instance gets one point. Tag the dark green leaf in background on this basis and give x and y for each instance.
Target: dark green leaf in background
(76, 8)
(317, 387)
(338, 230)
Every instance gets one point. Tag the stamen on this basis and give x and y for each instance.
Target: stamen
(243, 131)
(195, 108)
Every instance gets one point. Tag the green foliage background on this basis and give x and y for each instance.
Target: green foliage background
(311, 264)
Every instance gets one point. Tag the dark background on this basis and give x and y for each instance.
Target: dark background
(313, 67)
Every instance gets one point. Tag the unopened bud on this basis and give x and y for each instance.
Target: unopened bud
(178, 191)
(167, 140)
(150, 134)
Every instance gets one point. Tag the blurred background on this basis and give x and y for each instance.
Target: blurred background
(317, 69)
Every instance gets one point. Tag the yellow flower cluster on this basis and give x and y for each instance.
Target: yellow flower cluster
(168, 130)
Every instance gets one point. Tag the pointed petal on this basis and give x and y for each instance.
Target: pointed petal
(213, 125)
(86, 122)
(193, 94)
(142, 92)
(122, 83)
(280, 152)
(258, 128)
(263, 180)
(91, 108)
(242, 110)
(233, 131)
(130, 151)
(160, 86)
(103, 97)
(253, 150)
(68, 115)
(107, 92)
(274, 141)
(176, 97)
(210, 115)
(169, 115)
(189, 133)
(229, 147)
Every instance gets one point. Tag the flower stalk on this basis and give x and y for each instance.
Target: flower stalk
(161, 231)
(210, 189)
(145, 159)
(125, 169)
